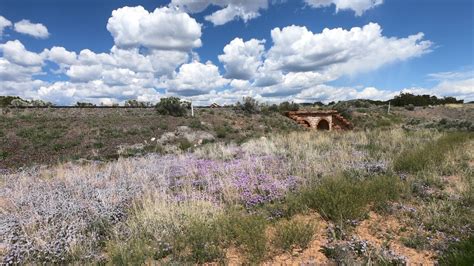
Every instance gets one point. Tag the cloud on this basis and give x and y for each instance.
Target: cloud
(163, 29)
(242, 59)
(36, 30)
(60, 55)
(15, 73)
(338, 52)
(196, 78)
(230, 9)
(459, 84)
(326, 93)
(69, 93)
(358, 6)
(15, 52)
(4, 23)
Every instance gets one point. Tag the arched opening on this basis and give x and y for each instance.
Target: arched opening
(306, 124)
(323, 125)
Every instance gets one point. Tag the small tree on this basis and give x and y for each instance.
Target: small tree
(135, 103)
(84, 104)
(249, 105)
(40, 103)
(171, 106)
(287, 106)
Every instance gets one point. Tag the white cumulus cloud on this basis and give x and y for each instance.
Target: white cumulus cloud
(338, 52)
(230, 9)
(242, 59)
(4, 23)
(196, 78)
(163, 29)
(36, 30)
(15, 52)
(358, 6)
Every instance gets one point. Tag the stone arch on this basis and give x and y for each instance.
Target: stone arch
(306, 123)
(323, 125)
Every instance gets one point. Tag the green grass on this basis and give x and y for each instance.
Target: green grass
(341, 198)
(461, 253)
(430, 155)
(248, 233)
(291, 234)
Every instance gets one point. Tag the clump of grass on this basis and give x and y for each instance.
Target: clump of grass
(294, 233)
(461, 253)
(248, 233)
(417, 241)
(431, 155)
(340, 198)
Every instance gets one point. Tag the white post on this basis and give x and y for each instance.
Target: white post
(388, 111)
(192, 109)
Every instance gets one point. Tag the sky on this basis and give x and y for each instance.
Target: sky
(110, 51)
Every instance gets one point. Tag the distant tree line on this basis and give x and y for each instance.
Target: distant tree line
(249, 105)
(405, 99)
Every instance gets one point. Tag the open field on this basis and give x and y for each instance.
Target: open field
(392, 192)
(30, 137)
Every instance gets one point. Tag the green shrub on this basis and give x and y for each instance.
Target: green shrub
(221, 131)
(461, 253)
(195, 123)
(249, 105)
(416, 241)
(204, 240)
(171, 106)
(290, 234)
(184, 144)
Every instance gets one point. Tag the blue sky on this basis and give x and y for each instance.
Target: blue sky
(378, 61)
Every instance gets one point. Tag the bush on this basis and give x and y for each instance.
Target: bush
(290, 234)
(204, 240)
(249, 105)
(135, 103)
(171, 106)
(287, 106)
(184, 144)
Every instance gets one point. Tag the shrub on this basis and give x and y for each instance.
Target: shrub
(184, 144)
(135, 103)
(287, 106)
(171, 106)
(249, 105)
(416, 241)
(204, 240)
(290, 234)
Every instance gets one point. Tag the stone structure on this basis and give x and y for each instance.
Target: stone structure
(320, 119)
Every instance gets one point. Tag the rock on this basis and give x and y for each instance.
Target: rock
(182, 129)
(167, 138)
(198, 136)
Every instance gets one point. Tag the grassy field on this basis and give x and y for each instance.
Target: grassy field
(380, 196)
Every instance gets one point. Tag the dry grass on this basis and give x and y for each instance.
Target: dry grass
(191, 208)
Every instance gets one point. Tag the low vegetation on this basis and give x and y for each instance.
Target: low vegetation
(255, 201)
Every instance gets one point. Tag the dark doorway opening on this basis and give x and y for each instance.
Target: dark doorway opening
(323, 125)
